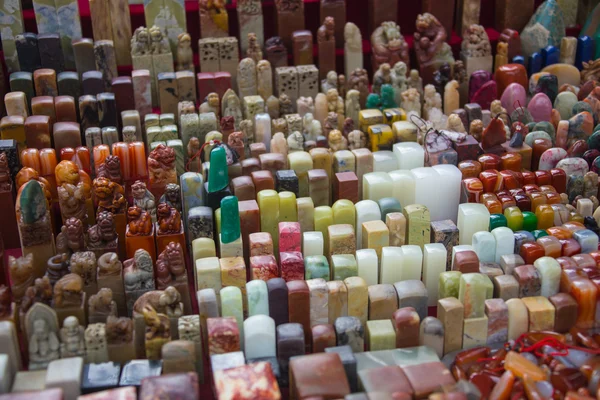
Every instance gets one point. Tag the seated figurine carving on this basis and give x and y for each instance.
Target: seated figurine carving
(43, 345)
(111, 169)
(143, 198)
(159, 44)
(140, 222)
(170, 267)
(295, 142)
(72, 342)
(71, 237)
(388, 45)
(119, 330)
(330, 82)
(102, 304)
(172, 196)
(109, 265)
(335, 102)
(84, 264)
(138, 272)
(140, 42)
(169, 220)
(357, 140)
(157, 325)
(337, 141)
(68, 291)
(185, 57)
(21, 274)
(40, 292)
(71, 199)
(166, 301)
(109, 196)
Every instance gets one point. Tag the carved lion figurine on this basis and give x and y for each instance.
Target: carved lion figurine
(111, 169)
(21, 274)
(388, 45)
(169, 219)
(476, 42)
(119, 330)
(68, 291)
(140, 222)
(185, 57)
(102, 303)
(430, 39)
(170, 266)
(159, 43)
(66, 172)
(161, 165)
(140, 42)
(157, 325)
(337, 141)
(109, 196)
(143, 198)
(104, 231)
(71, 237)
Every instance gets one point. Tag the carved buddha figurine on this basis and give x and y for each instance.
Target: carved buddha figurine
(170, 267)
(72, 338)
(139, 222)
(43, 345)
(168, 219)
(388, 45)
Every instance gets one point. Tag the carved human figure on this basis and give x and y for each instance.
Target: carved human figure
(254, 51)
(231, 106)
(347, 127)
(337, 141)
(139, 222)
(415, 81)
(109, 196)
(111, 169)
(295, 142)
(359, 80)
(388, 45)
(84, 264)
(170, 267)
(264, 77)
(382, 76)
(335, 104)
(411, 101)
(326, 32)
(330, 82)
(143, 198)
(432, 99)
(119, 330)
(21, 275)
(476, 42)
(140, 42)
(312, 128)
(353, 105)
(211, 104)
(101, 305)
(455, 124)
(185, 56)
(357, 140)
(476, 129)
(305, 105)
(138, 272)
(68, 291)
(279, 144)
(285, 105)
(342, 86)
(159, 44)
(430, 42)
(71, 237)
(72, 342)
(43, 345)
(331, 123)
(104, 233)
(399, 80)
(172, 196)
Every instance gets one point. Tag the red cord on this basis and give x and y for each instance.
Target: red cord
(199, 155)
